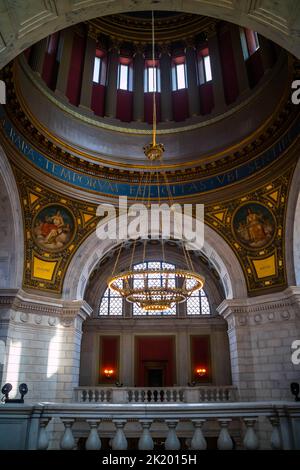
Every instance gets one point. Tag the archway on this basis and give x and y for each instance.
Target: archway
(216, 250)
(24, 25)
(292, 231)
(11, 228)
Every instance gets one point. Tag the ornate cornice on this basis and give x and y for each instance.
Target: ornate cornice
(280, 307)
(137, 30)
(32, 308)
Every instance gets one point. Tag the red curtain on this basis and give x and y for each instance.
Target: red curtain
(50, 66)
(97, 100)
(230, 81)
(157, 349)
(200, 357)
(180, 103)
(109, 358)
(124, 105)
(148, 107)
(76, 70)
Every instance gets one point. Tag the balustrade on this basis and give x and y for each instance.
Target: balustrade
(155, 395)
(175, 425)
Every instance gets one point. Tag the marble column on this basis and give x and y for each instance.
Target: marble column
(192, 81)
(166, 86)
(216, 70)
(87, 76)
(38, 55)
(112, 82)
(138, 86)
(64, 62)
(239, 60)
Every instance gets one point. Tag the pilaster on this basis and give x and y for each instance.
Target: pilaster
(216, 70)
(138, 87)
(112, 79)
(193, 90)
(64, 62)
(38, 56)
(42, 344)
(166, 88)
(87, 76)
(261, 331)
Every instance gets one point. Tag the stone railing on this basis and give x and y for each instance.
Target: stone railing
(203, 394)
(248, 425)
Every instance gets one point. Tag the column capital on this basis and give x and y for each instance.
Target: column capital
(262, 309)
(23, 303)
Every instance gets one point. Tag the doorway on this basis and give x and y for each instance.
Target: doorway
(155, 361)
(154, 373)
(155, 378)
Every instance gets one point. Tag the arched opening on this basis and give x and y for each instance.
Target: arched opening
(11, 227)
(151, 349)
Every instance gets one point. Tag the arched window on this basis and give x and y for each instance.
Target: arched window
(111, 304)
(198, 304)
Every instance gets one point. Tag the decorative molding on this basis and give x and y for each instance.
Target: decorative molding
(27, 20)
(260, 310)
(32, 308)
(260, 10)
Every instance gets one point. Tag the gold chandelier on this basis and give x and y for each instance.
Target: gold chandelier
(158, 289)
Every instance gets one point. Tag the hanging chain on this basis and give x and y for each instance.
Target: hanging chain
(122, 243)
(154, 82)
(187, 256)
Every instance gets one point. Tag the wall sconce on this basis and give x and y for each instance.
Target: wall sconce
(108, 373)
(295, 389)
(201, 371)
(6, 389)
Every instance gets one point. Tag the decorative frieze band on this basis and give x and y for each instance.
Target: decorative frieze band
(261, 310)
(35, 310)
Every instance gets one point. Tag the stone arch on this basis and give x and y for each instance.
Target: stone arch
(215, 249)
(292, 231)
(11, 228)
(173, 254)
(22, 26)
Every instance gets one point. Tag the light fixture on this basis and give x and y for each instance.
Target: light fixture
(155, 289)
(108, 372)
(6, 389)
(201, 371)
(295, 389)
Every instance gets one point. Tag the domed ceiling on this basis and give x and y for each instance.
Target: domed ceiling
(204, 153)
(233, 148)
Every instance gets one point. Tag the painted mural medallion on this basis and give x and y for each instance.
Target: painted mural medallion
(53, 228)
(254, 225)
